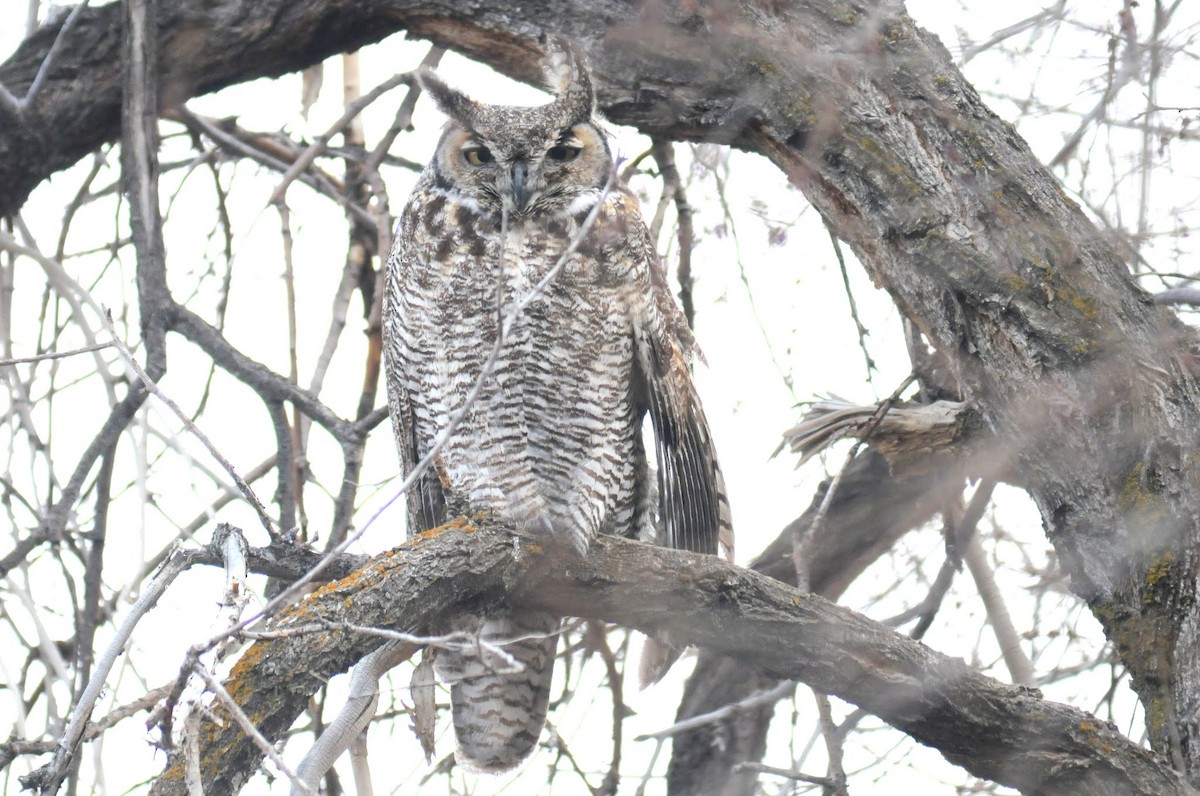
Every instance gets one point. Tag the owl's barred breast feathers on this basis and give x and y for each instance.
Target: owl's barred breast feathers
(552, 439)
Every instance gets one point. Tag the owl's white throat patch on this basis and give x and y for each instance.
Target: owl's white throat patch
(582, 203)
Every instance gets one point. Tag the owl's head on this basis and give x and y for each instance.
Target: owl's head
(547, 160)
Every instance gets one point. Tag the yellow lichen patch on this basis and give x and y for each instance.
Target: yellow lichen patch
(249, 660)
(762, 67)
(1085, 305)
(1156, 717)
(1092, 730)
(1067, 295)
(848, 15)
(1133, 496)
(357, 580)
(798, 111)
(904, 180)
(174, 771)
(456, 524)
(242, 673)
(1159, 569)
(1015, 283)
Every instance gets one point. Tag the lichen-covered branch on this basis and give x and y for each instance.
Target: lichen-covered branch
(1001, 732)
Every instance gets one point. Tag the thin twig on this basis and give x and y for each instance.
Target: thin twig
(66, 286)
(758, 768)
(50, 775)
(959, 534)
(1019, 666)
(664, 155)
(55, 355)
(93, 730)
(316, 180)
(560, 745)
(598, 639)
(768, 697)
(266, 382)
(768, 342)
(55, 519)
(317, 147)
(863, 332)
(251, 731)
(403, 119)
(836, 772)
(44, 70)
(290, 436)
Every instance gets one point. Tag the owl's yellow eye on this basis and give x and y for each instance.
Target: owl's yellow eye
(563, 153)
(477, 155)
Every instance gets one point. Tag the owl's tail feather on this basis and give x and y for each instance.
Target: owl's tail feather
(500, 686)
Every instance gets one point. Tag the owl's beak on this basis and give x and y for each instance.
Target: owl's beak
(519, 173)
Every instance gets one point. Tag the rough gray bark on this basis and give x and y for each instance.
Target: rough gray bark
(996, 731)
(1090, 384)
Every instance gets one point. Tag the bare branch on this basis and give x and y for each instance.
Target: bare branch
(317, 147)
(998, 731)
(1179, 295)
(759, 768)
(769, 697)
(54, 355)
(48, 777)
(355, 714)
(1019, 665)
(40, 80)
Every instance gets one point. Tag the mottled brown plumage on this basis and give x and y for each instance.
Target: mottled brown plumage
(552, 441)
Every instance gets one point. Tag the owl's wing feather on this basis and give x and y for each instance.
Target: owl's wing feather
(689, 483)
(426, 501)
(693, 509)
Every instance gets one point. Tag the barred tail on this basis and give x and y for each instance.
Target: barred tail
(500, 686)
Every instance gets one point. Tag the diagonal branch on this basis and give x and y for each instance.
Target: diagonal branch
(994, 730)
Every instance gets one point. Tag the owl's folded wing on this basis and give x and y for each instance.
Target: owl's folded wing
(426, 502)
(693, 509)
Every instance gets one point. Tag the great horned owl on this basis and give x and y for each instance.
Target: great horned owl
(552, 439)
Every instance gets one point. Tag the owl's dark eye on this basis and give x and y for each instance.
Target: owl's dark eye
(477, 155)
(563, 153)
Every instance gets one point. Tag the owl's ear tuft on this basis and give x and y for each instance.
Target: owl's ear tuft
(567, 75)
(450, 101)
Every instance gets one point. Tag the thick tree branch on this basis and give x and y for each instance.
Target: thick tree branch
(1001, 732)
(874, 506)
